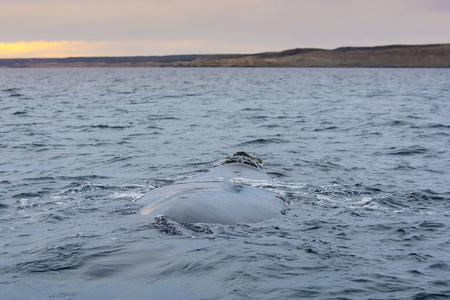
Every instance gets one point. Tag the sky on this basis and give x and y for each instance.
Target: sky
(65, 28)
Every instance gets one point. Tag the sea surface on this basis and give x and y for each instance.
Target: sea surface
(361, 158)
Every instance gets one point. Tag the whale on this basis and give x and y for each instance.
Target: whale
(227, 194)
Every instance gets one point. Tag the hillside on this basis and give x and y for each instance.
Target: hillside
(385, 56)
(424, 56)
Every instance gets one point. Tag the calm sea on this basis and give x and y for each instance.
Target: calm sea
(360, 156)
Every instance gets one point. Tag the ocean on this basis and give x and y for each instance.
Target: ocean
(360, 158)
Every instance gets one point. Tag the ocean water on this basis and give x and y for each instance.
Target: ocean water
(360, 157)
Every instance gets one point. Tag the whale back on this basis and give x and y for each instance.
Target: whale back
(215, 197)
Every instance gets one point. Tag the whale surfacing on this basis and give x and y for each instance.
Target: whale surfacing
(217, 196)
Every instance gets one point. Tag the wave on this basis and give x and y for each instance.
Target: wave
(440, 126)
(11, 90)
(326, 128)
(160, 118)
(18, 113)
(412, 150)
(51, 259)
(400, 123)
(104, 126)
(263, 141)
(427, 195)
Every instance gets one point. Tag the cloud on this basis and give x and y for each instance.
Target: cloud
(49, 48)
(59, 49)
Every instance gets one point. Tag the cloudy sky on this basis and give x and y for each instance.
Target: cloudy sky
(61, 28)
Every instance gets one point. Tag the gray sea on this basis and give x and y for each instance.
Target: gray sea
(359, 156)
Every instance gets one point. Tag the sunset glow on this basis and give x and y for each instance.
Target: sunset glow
(60, 49)
(48, 48)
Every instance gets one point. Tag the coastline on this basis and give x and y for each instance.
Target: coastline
(393, 56)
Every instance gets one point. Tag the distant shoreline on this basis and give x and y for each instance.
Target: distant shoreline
(393, 56)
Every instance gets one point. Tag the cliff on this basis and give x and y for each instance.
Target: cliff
(396, 56)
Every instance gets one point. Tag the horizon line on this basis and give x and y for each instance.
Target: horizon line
(233, 54)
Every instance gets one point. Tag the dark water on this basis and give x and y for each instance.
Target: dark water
(361, 157)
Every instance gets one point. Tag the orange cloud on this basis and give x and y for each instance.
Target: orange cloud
(59, 49)
(48, 49)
